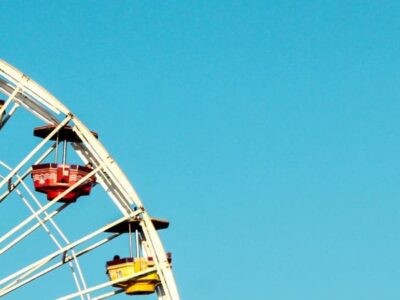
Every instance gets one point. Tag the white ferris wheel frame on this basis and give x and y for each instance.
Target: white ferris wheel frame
(24, 92)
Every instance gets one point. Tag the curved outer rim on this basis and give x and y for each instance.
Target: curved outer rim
(27, 93)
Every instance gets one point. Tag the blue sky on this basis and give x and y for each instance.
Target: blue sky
(265, 131)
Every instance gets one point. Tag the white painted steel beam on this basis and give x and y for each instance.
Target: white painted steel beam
(41, 262)
(20, 282)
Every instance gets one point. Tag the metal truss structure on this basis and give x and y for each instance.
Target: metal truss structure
(23, 92)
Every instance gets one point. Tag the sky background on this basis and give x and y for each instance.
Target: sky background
(267, 132)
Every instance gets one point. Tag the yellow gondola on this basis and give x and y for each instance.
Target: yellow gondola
(127, 267)
(120, 268)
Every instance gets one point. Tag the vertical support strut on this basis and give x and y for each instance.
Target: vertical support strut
(64, 152)
(56, 150)
(137, 243)
(130, 240)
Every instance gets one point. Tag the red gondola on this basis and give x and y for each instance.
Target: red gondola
(54, 179)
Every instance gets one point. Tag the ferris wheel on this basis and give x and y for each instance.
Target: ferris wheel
(48, 185)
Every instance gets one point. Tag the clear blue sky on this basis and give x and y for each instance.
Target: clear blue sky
(267, 132)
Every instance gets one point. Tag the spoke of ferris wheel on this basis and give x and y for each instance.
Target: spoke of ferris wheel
(53, 238)
(34, 151)
(30, 269)
(32, 229)
(109, 294)
(59, 231)
(53, 255)
(108, 283)
(51, 203)
(48, 230)
(7, 116)
(73, 254)
(20, 178)
(57, 228)
(19, 283)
